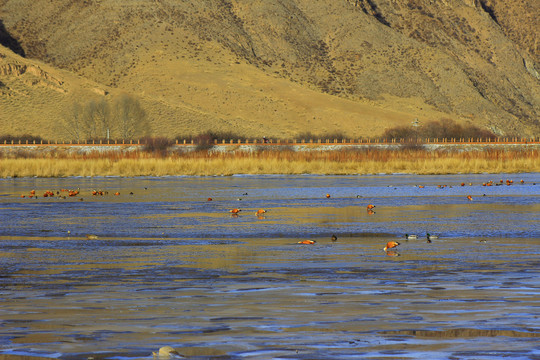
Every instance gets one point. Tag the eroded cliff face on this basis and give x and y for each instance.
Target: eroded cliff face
(222, 64)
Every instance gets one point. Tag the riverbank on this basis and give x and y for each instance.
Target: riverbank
(343, 161)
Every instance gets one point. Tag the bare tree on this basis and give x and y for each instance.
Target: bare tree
(97, 119)
(129, 117)
(72, 121)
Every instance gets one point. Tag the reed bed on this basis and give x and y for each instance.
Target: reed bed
(343, 162)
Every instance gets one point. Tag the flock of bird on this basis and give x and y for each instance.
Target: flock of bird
(64, 193)
(167, 352)
(390, 245)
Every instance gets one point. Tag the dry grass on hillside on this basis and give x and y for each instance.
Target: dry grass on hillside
(277, 68)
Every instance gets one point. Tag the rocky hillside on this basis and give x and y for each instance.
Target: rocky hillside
(274, 68)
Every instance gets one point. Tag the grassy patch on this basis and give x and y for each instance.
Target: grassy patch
(365, 161)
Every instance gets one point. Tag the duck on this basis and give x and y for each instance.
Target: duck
(166, 352)
(390, 245)
(307, 242)
(370, 206)
(260, 212)
(91, 237)
(235, 211)
(334, 237)
(411, 237)
(431, 237)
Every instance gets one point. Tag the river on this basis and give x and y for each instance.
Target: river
(168, 264)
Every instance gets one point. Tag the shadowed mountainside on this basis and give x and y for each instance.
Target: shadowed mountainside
(277, 68)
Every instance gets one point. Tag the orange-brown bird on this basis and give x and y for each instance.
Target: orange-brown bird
(469, 197)
(235, 211)
(370, 206)
(307, 242)
(260, 212)
(390, 245)
(327, 195)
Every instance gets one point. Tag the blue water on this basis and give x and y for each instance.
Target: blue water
(177, 207)
(166, 266)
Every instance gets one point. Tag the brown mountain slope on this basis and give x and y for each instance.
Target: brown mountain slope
(35, 97)
(279, 68)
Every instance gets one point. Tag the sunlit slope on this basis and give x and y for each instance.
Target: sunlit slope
(35, 97)
(276, 69)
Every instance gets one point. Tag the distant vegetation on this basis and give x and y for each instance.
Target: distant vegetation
(443, 129)
(126, 121)
(308, 136)
(124, 118)
(209, 137)
(157, 145)
(339, 162)
(22, 138)
(157, 158)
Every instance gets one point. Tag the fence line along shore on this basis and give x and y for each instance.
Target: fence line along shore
(277, 142)
(329, 156)
(20, 149)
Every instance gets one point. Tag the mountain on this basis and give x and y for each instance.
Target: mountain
(274, 68)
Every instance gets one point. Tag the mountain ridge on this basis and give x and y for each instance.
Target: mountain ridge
(278, 69)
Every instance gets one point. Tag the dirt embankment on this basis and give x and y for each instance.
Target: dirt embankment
(66, 151)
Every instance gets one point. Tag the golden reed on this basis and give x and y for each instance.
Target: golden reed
(341, 162)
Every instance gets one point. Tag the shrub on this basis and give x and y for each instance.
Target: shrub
(442, 129)
(157, 145)
(22, 138)
(398, 132)
(209, 137)
(307, 136)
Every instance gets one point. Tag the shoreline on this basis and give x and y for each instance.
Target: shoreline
(228, 160)
(341, 163)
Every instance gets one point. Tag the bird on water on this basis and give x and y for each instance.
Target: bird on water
(166, 352)
(390, 245)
